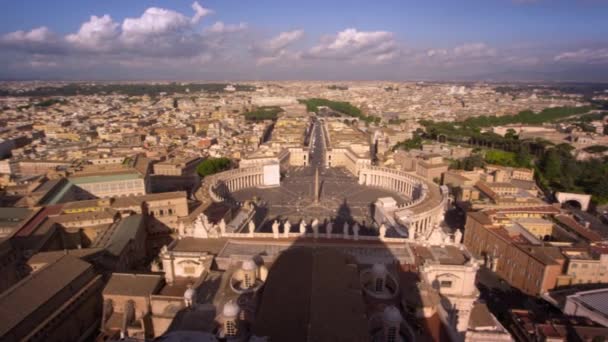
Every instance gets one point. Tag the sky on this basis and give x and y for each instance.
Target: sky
(213, 40)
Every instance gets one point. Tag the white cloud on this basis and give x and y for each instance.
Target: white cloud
(284, 39)
(275, 49)
(154, 21)
(37, 35)
(584, 56)
(220, 27)
(463, 52)
(474, 50)
(199, 12)
(357, 46)
(40, 40)
(96, 34)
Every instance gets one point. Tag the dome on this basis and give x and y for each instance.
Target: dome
(189, 294)
(391, 314)
(248, 265)
(379, 270)
(231, 309)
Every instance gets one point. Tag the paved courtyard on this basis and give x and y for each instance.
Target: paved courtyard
(341, 199)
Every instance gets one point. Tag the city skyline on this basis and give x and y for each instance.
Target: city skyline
(502, 40)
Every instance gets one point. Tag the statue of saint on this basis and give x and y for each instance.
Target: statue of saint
(275, 229)
(302, 227)
(223, 227)
(356, 231)
(315, 227)
(251, 227)
(328, 228)
(458, 237)
(345, 230)
(382, 231)
(286, 228)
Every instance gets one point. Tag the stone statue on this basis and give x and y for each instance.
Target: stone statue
(180, 228)
(275, 229)
(223, 227)
(411, 232)
(251, 228)
(303, 227)
(200, 228)
(458, 237)
(345, 230)
(328, 228)
(382, 231)
(356, 231)
(315, 228)
(205, 220)
(446, 240)
(286, 228)
(164, 249)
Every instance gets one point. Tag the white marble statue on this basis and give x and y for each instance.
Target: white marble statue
(302, 227)
(458, 237)
(356, 231)
(382, 231)
(275, 229)
(328, 228)
(411, 232)
(286, 228)
(315, 228)
(251, 228)
(345, 230)
(223, 227)
(200, 229)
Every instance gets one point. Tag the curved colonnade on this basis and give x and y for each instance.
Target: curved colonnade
(223, 183)
(419, 215)
(428, 201)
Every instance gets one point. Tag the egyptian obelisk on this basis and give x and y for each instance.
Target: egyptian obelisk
(316, 200)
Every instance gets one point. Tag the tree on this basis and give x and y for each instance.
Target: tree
(601, 190)
(551, 165)
(511, 134)
(212, 165)
(523, 158)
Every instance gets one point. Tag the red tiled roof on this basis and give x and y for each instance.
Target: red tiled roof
(35, 221)
(579, 229)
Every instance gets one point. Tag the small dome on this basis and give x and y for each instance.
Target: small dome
(391, 314)
(231, 309)
(248, 265)
(189, 294)
(379, 270)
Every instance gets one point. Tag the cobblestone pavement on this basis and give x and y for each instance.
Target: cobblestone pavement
(341, 198)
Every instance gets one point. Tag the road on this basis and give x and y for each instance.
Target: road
(317, 146)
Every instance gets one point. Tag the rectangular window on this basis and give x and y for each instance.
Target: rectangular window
(445, 284)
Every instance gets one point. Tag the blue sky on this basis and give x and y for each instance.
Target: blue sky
(272, 39)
